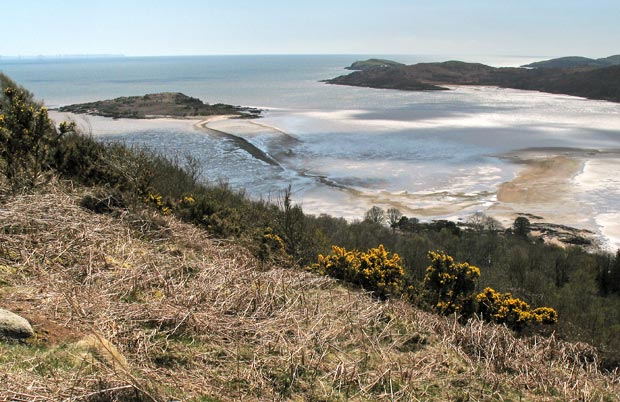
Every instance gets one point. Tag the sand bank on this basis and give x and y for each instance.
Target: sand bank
(558, 186)
(545, 180)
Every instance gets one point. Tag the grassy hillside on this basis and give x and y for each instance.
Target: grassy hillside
(133, 305)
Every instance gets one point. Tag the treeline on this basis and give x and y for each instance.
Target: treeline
(584, 288)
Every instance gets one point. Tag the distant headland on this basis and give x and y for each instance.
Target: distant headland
(576, 62)
(588, 78)
(165, 104)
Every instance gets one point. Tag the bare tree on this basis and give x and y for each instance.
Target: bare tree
(481, 222)
(393, 216)
(375, 215)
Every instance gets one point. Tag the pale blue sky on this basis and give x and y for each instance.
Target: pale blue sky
(192, 27)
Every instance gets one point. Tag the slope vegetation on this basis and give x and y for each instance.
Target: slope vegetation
(139, 306)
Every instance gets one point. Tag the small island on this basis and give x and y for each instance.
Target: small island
(165, 104)
(601, 83)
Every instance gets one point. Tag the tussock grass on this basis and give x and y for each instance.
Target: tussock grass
(136, 306)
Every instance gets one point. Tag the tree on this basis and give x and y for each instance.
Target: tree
(291, 225)
(521, 226)
(481, 222)
(476, 221)
(609, 274)
(375, 215)
(393, 216)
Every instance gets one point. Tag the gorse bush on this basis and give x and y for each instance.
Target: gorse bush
(28, 137)
(450, 285)
(376, 269)
(158, 202)
(271, 247)
(503, 308)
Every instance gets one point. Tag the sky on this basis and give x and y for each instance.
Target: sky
(220, 27)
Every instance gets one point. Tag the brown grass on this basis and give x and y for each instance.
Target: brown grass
(164, 312)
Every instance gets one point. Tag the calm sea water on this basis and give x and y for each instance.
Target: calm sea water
(431, 154)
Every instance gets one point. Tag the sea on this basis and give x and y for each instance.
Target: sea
(433, 155)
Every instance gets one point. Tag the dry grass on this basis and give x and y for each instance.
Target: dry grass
(145, 308)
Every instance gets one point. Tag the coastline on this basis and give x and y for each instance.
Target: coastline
(544, 187)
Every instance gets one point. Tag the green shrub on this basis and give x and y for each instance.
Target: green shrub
(27, 136)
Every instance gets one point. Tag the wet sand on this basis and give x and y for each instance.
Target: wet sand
(542, 190)
(550, 188)
(542, 181)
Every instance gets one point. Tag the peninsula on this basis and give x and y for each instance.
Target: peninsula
(589, 82)
(165, 104)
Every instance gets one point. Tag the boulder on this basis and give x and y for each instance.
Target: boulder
(13, 326)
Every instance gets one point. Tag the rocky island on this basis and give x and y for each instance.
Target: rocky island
(165, 104)
(589, 82)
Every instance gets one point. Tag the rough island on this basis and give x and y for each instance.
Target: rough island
(165, 104)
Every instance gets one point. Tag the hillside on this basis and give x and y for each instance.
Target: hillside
(602, 83)
(133, 305)
(576, 62)
(165, 104)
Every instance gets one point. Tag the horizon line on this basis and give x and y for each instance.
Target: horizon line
(120, 55)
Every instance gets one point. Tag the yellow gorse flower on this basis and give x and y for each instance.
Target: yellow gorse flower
(376, 269)
(503, 308)
(451, 284)
(188, 200)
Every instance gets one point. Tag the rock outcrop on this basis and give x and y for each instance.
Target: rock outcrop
(13, 326)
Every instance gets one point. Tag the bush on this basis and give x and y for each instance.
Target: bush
(450, 285)
(271, 247)
(502, 308)
(27, 136)
(376, 270)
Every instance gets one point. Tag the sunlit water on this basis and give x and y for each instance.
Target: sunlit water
(431, 154)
